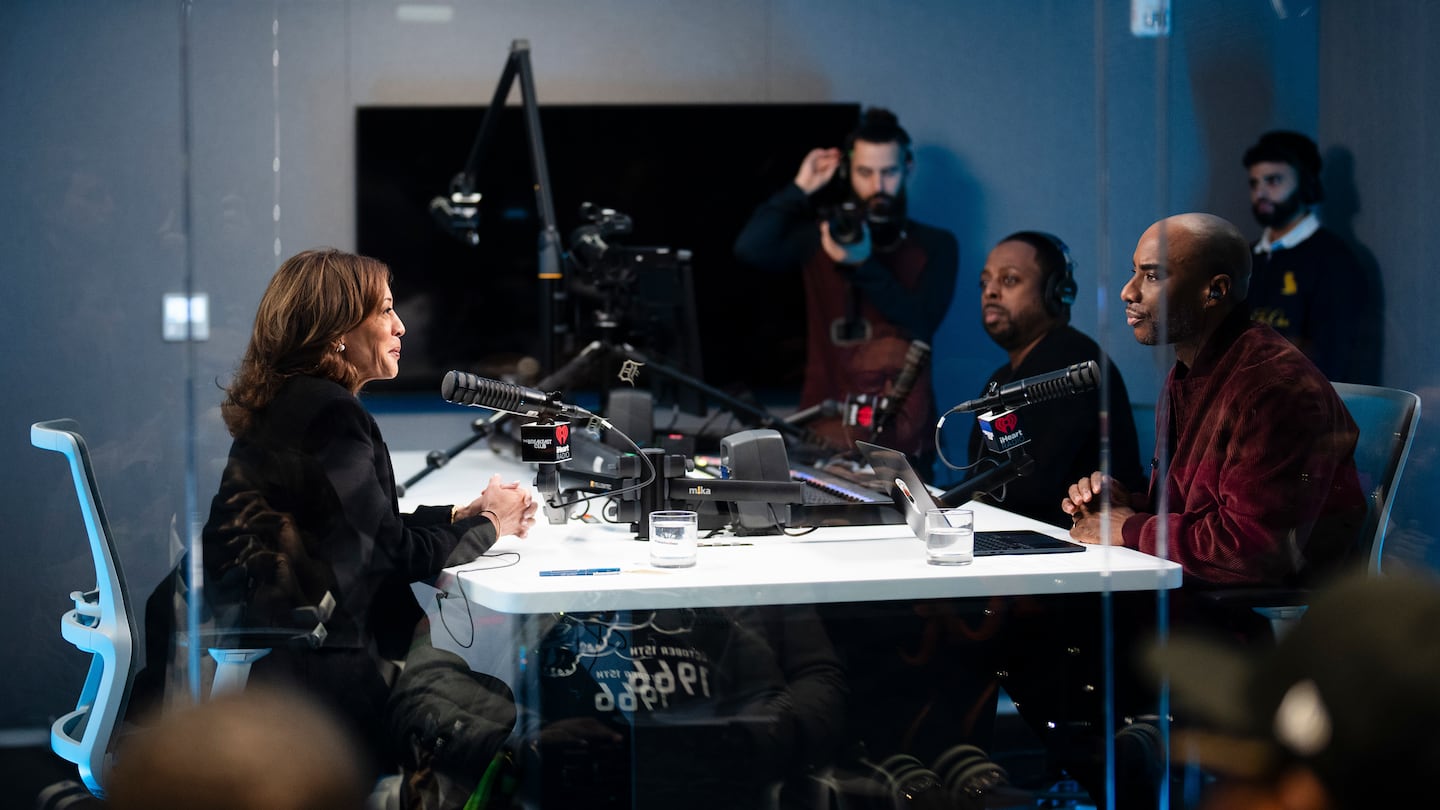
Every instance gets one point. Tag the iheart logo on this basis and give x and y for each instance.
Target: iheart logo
(1007, 423)
(562, 434)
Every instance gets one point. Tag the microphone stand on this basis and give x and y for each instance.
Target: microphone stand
(435, 459)
(550, 270)
(490, 427)
(1017, 464)
(758, 414)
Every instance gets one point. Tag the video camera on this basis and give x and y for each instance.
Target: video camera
(588, 246)
(606, 265)
(883, 214)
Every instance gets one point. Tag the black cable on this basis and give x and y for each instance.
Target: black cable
(460, 585)
(775, 519)
(940, 449)
(611, 494)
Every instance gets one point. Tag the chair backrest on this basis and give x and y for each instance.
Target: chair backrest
(101, 623)
(1387, 418)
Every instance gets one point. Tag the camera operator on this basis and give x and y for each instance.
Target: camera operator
(875, 280)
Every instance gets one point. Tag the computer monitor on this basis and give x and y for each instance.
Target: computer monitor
(688, 176)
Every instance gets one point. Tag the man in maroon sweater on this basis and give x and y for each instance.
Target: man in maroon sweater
(1253, 483)
(1254, 479)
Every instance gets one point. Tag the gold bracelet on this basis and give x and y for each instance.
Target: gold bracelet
(494, 518)
(454, 513)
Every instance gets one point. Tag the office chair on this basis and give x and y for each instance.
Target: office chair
(1387, 418)
(103, 624)
(100, 624)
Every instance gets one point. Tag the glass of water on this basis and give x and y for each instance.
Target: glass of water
(949, 536)
(672, 539)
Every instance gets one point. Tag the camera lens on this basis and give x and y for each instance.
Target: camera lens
(847, 223)
(886, 217)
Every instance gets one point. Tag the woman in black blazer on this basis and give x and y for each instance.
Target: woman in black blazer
(306, 550)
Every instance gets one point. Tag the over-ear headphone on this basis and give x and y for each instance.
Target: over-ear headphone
(1060, 291)
(1059, 287)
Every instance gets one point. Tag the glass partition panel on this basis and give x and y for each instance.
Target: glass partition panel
(94, 242)
(728, 270)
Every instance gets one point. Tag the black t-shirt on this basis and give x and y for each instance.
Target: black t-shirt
(1064, 433)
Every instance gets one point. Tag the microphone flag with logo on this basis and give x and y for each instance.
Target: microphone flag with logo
(1001, 431)
(545, 442)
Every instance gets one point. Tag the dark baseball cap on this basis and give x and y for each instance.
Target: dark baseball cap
(1352, 692)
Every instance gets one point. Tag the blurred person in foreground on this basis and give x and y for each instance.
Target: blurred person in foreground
(1341, 715)
(254, 750)
(305, 550)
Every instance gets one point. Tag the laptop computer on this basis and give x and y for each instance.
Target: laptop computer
(913, 500)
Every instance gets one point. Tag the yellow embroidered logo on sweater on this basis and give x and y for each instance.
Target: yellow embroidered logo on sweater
(1290, 286)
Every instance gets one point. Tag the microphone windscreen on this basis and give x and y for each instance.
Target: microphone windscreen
(449, 385)
(464, 388)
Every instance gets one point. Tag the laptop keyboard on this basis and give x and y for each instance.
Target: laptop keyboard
(991, 543)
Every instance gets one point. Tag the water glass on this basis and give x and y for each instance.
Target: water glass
(949, 536)
(673, 538)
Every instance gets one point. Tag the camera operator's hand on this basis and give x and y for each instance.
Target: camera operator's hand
(854, 253)
(816, 169)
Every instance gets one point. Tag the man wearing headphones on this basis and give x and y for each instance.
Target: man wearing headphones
(1307, 284)
(1026, 289)
(876, 281)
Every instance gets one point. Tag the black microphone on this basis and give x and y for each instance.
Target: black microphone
(826, 408)
(915, 360)
(463, 388)
(1076, 379)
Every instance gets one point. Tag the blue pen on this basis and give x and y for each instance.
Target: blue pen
(579, 572)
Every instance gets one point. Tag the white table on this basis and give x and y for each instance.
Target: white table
(829, 565)
(485, 611)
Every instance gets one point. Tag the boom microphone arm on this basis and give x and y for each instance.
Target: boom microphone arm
(1017, 465)
(761, 417)
(460, 213)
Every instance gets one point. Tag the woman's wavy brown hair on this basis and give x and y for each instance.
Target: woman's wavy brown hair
(314, 299)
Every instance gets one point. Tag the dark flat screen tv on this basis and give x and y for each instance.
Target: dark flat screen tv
(687, 175)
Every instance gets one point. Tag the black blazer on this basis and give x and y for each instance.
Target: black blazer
(307, 507)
